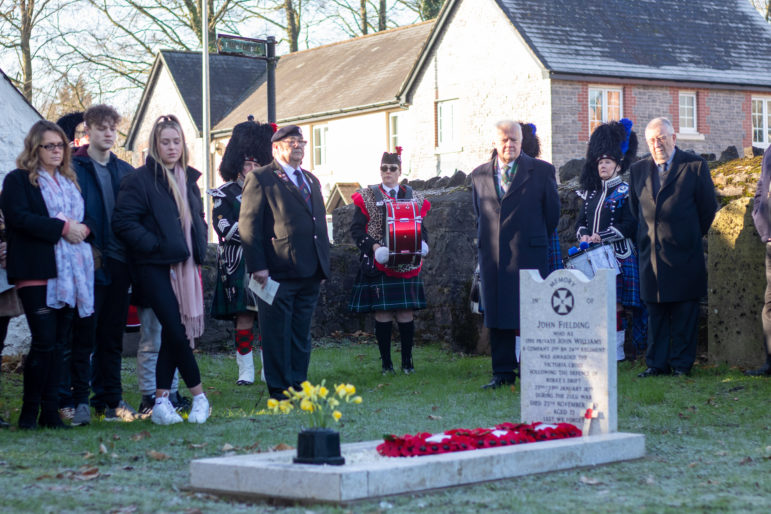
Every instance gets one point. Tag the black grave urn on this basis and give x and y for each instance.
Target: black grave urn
(319, 446)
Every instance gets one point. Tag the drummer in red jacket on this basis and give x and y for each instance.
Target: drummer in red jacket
(606, 217)
(389, 290)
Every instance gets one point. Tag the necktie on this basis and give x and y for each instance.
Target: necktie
(306, 194)
(392, 193)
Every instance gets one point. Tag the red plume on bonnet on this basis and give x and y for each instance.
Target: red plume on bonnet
(399, 151)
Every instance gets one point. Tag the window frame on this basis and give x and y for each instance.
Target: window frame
(765, 127)
(319, 141)
(442, 144)
(604, 116)
(685, 129)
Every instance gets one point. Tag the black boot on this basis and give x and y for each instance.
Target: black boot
(28, 416)
(763, 371)
(49, 404)
(383, 335)
(36, 367)
(407, 334)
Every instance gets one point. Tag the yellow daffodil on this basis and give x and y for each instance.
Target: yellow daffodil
(307, 405)
(337, 415)
(350, 389)
(357, 399)
(340, 390)
(323, 391)
(307, 388)
(316, 401)
(333, 402)
(272, 403)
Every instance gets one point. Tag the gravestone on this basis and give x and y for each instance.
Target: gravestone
(567, 324)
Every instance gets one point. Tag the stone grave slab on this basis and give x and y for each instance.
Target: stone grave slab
(568, 365)
(368, 475)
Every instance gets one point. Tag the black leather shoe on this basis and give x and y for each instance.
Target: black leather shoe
(650, 372)
(763, 371)
(680, 373)
(497, 382)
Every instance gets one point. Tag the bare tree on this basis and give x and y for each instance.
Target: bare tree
(425, 9)
(360, 17)
(764, 6)
(23, 30)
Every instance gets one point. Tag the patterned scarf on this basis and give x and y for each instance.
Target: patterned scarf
(185, 279)
(74, 282)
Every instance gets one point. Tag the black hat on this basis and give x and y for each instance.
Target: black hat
(531, 145)
(392, 158)
(250, 141)
(613, 140)
(289, 130)
(69, 122)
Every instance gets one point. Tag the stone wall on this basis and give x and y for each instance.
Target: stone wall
(736, 286)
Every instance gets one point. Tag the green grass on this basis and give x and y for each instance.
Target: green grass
(708, 440)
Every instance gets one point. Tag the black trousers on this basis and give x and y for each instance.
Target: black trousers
(503, 352)
(766, 313)
(672, 335)
(286, 334)
(107, 326)
(175, 352)
(50, 329)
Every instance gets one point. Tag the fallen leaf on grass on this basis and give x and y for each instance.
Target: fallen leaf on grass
(693, 464)
(590, 481)
(157, 455)
(650, 480)
(87, 474)
(227, 447)
(197, 445)
(734, 389)
(128, 468)
(431, 416)
(711, 401)
(745, 460)
(141, 435)
(102, 448)
(721, 453)
(251, 446)
(88, 455)
(282, 446)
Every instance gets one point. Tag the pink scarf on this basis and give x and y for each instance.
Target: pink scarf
(185, 277)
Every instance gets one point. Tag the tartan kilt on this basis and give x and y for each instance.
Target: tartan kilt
(384, 293)
(231, 294)
(628, 282)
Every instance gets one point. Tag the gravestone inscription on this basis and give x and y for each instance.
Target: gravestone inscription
(568, 366)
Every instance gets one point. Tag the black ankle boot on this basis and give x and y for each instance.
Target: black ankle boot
(28, 416)
(407, 335)
(383, 335)
(49, 416)
(763, 371)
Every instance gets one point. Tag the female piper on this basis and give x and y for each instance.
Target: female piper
(248, 149)
(388, 291)
(48, 261)
(606, 217)
(159, 216)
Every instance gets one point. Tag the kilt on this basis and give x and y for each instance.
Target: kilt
(231, 294)
(628, 282)
(384, 293)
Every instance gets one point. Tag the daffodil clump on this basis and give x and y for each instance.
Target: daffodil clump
(317, 401)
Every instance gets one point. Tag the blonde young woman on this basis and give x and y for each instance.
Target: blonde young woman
(159, 217)
(48, 261)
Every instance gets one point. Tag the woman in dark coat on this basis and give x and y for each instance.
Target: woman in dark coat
(159, 217)
(606, 217)
(48, 261)
(248, 149)
(390, 292)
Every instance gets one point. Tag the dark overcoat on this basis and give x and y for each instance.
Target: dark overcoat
(146, 217)
(760, 207)
(512, 233)
(671, 226)
(278, 230)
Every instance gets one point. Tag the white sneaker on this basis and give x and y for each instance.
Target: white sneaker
(200, 411)
(245, 368)
(164, 413)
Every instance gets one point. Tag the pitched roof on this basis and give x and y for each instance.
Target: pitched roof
(354, 75)
(8, 79)
(341, 195)
(723, 41)
(230, 78)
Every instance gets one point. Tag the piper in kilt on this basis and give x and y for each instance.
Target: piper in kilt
(390, 292)
(249, 148)
(606, 217)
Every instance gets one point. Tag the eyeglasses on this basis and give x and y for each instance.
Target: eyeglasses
(392, 167)
(660, 139)
(51, 146)
(294, 142)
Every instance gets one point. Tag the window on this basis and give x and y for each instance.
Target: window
(604, 106)
(446, 132)
(761, 121)
(393, 131)
(319, 146)
(688, 113)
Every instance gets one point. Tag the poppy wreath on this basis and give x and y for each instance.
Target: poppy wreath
(462, 439)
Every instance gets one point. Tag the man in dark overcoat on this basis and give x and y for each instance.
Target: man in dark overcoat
(283, 230)
(761, 215)
(674, 201)
(517, 209)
